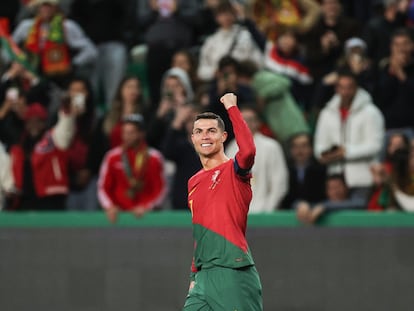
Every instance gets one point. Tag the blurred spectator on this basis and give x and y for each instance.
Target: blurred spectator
(109, 24)
(325, 40)
(401, 184)
(339, 197)
(176, 91)
(82, 194)
(186, 61)
(241, 9)
(306, 175)
(206, 22)
(6, 176)
(286, 57)
(361, 10)
(349, 135)
(13, 105)
(396, 187)
(229, 40)
(17, 76)
(396, 82)
(56, 46)
(40, 160)
(381, 171)
(379, 29)
(270, 176)
(168, 27)
(354, 60)
(277, 105)
(273, 17)
(132, 175)
(128, 99)
(227, 81)
(178, 148)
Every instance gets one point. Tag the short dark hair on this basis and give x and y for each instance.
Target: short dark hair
(347, 73)
(336, 176)
(401, 32)
(224, 6)
(212, 116)
(228, 61)
(293, 137)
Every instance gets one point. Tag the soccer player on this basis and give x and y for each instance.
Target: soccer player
(223, 273)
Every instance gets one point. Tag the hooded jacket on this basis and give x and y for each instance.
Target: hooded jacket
(184, 79)
(362, 136)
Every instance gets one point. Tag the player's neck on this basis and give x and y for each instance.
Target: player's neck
(209, 163)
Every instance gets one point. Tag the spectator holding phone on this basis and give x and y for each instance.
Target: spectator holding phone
(349, 134)
(11, 116)
(83, 158)
(40, 159)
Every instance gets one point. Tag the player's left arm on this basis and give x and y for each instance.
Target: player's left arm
(244, 158)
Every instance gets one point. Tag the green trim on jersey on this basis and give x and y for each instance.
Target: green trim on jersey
(213, 249)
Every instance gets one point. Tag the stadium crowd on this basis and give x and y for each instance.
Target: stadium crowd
(97, 100)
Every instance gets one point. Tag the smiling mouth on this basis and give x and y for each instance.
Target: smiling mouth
(206, 145)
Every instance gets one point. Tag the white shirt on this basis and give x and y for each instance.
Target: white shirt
(219, 44)
(270, 174)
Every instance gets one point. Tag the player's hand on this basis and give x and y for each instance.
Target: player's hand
(139, 211)
(229, 100)
(112, 214)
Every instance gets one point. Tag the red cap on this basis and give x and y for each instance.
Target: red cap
(35, 110)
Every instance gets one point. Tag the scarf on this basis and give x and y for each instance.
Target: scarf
(135, 172)
(49, 52)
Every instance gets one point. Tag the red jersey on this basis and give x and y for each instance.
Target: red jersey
(219, 200)
(49, 165)
(113, 183)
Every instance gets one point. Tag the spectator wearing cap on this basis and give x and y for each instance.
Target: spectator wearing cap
(40, 160)
(56, 46)
(132, 175)
(355, 60)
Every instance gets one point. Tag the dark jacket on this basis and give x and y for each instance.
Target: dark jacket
(311, 189)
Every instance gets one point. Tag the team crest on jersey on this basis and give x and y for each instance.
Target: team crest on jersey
(215, 179)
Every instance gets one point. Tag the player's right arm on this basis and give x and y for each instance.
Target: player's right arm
(244, 138)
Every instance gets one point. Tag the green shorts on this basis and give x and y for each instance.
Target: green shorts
(225, 289)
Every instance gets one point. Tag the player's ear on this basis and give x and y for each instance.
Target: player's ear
(224, 137)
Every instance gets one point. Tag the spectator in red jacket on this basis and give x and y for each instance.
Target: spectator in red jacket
(132, 175)
(40, 160)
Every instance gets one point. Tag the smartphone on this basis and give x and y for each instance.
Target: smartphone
(332, 149)
(78, 101)
(164, 7)
(12, 94)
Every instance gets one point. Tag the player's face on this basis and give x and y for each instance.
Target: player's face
(207, 137)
